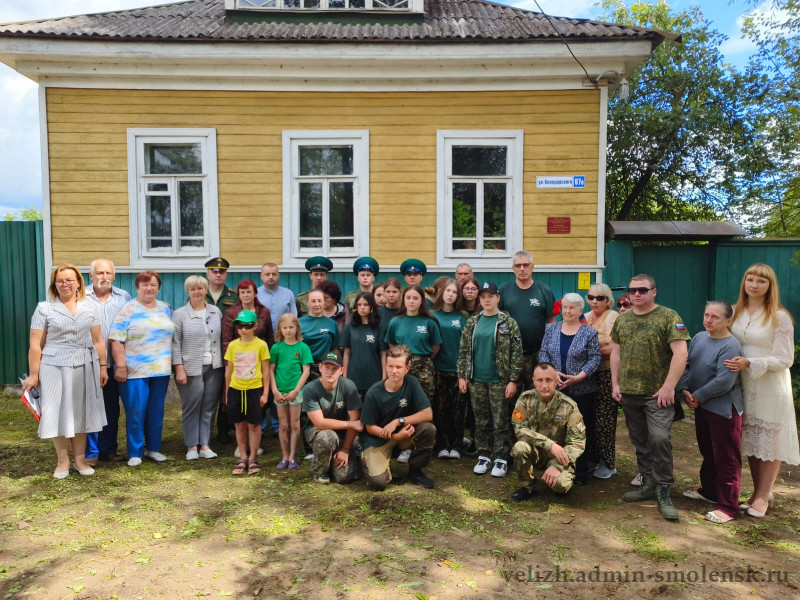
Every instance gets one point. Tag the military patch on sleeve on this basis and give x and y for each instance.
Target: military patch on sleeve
(580, 427)
(517, 416)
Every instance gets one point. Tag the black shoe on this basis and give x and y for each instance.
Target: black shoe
(471, 450)
(223, 437)
(419, 478)
(116, 457)
(521, 495)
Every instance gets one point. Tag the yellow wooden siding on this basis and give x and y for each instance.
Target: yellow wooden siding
(87, 133)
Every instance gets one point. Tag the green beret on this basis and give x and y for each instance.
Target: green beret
(366, 263)
(413, 265)
(318, 263)
(218, 263)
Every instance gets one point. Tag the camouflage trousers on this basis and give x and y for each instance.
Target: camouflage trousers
(493, 436)
(527, 458)
(422, 369)
(324, 444)
(449, 412)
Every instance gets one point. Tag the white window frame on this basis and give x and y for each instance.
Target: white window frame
(445, 140)
(137, 181)
(293, 256)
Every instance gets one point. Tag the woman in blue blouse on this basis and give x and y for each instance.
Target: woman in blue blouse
(573, 349)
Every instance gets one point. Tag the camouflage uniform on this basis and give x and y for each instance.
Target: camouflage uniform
(324, 444)
(227, 298)
(489, 404)
(538, 425)
(422, 368)
(350, 299)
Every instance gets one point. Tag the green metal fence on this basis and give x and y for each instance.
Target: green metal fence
(22, 285)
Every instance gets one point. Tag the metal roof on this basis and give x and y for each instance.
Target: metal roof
(672, 230)
(443, 21)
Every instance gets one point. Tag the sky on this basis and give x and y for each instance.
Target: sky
(20, 153)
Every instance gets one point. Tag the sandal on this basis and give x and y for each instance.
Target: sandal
(715, 518)
(240, 468)
(253, 467)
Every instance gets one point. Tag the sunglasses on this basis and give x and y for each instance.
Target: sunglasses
(245, 325)
(590, 297)
(623, 304)
(639, 290)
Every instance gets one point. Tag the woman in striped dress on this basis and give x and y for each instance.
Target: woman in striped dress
(67, 360)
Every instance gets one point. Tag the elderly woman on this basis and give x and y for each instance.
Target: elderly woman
(573, 349)
(197, 359)
(248, 300)
(141, 341)
(332, 308)
(601, 317)
(67, 360)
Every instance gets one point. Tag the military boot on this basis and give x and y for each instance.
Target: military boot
(665, 506)
(647, 491)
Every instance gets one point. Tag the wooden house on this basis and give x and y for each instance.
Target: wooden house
(273, 130)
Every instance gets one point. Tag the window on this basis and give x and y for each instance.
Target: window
(173, 196)
(326, 194)
(479, 195)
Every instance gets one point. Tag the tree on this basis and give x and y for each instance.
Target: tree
(26, 214)
(776, 31)
(674, 146)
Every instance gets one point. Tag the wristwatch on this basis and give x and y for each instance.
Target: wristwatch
(402, 421)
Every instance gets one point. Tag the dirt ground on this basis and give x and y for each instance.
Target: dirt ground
(182, 530)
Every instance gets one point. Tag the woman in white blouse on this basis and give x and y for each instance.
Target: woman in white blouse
(67, 360)
(765, 330)
(197, 360)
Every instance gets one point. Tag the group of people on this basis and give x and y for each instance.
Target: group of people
(395, 370)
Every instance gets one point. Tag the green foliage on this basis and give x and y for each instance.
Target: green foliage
(674, 147)
(795, 371)
(26, 214)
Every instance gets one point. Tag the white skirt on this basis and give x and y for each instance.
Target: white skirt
(72, 401)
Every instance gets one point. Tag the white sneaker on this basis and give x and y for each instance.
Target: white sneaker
(455, 455)
(603, 471)
(156, 456)
(309, 456)
(500, 468)
(238, 454)
(404, 456)
(482, 466)
(443, 454)
(637, 481)
(465, 441)
(134, 462)
(208, 454)
(192, 455)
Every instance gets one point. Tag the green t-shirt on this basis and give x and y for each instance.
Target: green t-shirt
(246, 360)
(365, 345)
(530, 309)
(321, 334)
(484, 357)
(334, 405)
(289, 361)
(450, 325)
(644, 350)
(382, 407)
(419, 333)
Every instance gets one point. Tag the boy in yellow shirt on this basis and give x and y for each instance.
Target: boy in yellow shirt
(246, 389)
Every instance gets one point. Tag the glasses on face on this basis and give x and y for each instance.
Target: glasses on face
(623, 304)
(245, 325)
(639, 290)
(590, 297)
(67, 281)
(523, 266)
(469, 289)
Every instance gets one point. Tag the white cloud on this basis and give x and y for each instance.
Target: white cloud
(577, 9)
(738, 48)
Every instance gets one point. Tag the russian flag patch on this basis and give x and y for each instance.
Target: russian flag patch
(680, 327)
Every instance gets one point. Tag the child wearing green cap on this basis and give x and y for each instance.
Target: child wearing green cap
(247, 378)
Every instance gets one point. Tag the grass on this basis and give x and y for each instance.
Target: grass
(649, 544)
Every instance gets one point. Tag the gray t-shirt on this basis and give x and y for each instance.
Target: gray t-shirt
(334, 404)
(714, 385)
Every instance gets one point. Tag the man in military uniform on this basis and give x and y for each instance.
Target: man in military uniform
(218, 293)
(366, 269)
(333, 406)
(223, 298)
(550, 433)
(317, 267)
(413, 270)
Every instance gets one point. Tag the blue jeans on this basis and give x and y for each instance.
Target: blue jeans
(143, 400)
(105, 441)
